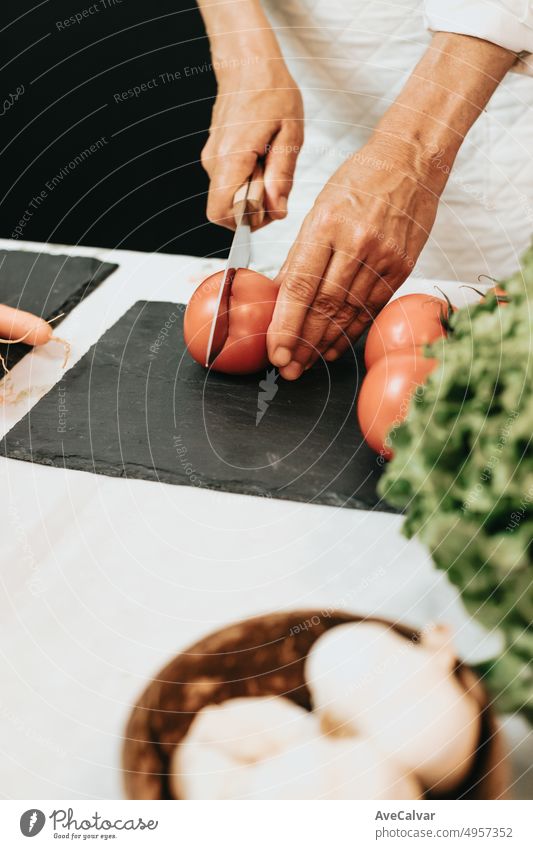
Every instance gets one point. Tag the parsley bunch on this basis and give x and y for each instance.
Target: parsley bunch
(463, 473)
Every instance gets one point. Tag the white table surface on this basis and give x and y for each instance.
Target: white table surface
(103, 580)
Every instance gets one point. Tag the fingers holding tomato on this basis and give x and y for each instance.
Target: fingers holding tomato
(394, 353)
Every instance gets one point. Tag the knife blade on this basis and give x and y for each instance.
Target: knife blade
(247, 208)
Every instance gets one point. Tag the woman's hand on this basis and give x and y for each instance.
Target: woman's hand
(258, 113)
(20, 326)
(357, 245)
(368, 225)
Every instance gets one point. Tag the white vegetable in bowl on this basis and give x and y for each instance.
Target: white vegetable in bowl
(225, 739)
(367, 679)
(329, 768)
(269, 748)
(203, 772)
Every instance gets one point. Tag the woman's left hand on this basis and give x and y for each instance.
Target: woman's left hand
(368, 225)
(358, 244)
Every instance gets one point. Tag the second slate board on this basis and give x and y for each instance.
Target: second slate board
(47, 285)
(139, 407)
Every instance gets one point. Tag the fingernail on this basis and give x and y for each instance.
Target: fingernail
(281, 357)
(292, 371)
(331, 355)
(281, 208)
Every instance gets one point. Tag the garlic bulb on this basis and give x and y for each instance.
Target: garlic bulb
(203, 772)
(329, 768)
(269, 748)
(367, 679)
(224, 740)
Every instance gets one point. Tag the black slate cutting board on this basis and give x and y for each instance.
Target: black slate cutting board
(137, 406)
(46, 285)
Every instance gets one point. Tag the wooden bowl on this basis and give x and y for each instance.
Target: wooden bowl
(264, 656)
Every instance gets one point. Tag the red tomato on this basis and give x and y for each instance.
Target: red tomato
(386, 392)
(500, 294)
(245, 314)
(406, 322)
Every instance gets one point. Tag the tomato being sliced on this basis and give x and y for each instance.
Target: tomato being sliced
(245, 314)
(386, 392)
(406, 322)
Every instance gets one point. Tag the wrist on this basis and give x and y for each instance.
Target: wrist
(447, 91)
(420, 147)
(248, 62)
(240, 36)
(425, 162)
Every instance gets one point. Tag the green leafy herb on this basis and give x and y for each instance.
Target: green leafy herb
(463, 472)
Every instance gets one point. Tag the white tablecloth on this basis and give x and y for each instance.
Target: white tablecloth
(103, 580)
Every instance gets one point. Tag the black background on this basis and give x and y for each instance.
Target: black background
(144, 189)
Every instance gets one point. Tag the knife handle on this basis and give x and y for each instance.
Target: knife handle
(251, 205)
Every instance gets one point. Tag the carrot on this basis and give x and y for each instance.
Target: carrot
(19, 326)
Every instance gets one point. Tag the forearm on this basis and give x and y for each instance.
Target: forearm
(442, 99)
(238, 30)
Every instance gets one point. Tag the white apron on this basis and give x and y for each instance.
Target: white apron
(350, 59)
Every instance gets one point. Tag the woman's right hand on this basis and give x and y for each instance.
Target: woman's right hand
(258, 113)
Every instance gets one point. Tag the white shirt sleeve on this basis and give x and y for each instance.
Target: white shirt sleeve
(508, 23)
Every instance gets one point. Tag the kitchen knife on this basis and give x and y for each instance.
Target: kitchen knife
(248, 211)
